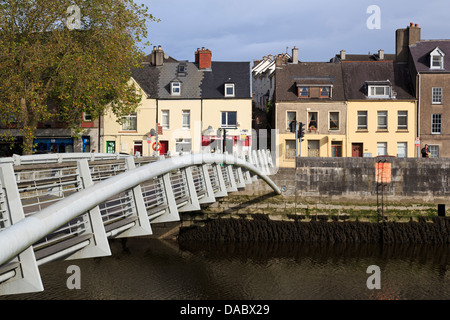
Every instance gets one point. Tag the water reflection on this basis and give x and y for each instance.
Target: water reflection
(143, 268)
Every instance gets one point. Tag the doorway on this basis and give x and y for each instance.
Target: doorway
(164, 147)
(357, 150)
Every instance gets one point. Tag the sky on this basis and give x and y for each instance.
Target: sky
(247, 30)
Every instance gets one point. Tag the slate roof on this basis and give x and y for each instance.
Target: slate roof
(420, 53)
(308, 73)
(238, 73)
(356, 74)
(195, 83)
(364, 57)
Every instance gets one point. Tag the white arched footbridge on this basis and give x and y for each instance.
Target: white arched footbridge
(67, 206)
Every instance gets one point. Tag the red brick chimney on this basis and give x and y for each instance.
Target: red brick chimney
(203, 58)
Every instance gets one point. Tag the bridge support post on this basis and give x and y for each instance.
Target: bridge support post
(23, 269)
(193, 204)
(171, 213)
(142, 227)
(222, 192)
(209, 196)
(98, 246)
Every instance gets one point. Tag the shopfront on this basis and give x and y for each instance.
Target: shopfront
(52, 145)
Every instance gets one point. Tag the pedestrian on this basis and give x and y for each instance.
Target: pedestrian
(425, 152)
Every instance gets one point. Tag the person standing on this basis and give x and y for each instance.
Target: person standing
(425, 152)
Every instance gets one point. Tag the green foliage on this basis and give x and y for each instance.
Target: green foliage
(50, 71)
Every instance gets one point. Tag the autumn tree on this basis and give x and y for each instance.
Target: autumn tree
(75, 55)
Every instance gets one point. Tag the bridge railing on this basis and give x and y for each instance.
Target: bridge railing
(68, 206)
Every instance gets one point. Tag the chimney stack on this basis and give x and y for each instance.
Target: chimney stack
(157, 56)
(295, 55)
(343, 55)
(381, 54)
(405, 38)
(203, 58)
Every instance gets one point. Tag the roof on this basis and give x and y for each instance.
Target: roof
(308, 73)
(227, 72)
(195, 83)
(357, 75)
(363, 57)
(420, 53)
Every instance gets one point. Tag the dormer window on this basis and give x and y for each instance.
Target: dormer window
(379, 89)
(175, 88)
(437, 59)
(229, 89)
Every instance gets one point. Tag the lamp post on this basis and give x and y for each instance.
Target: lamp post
(152, 133)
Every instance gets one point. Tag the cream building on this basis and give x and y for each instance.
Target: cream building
(310, 93)
(186, 107)
(381, 110)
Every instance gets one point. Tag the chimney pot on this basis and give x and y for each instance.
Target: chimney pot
(411, 24)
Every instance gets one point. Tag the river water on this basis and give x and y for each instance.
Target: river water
(151, 269)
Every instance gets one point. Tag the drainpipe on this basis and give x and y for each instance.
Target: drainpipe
(418, 116)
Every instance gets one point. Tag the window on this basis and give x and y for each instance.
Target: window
(304, 92)
(129, 123)
(290, 149)
(336, 148)
(87, 117)
(229, 119)
(380, 91)
(402, 120)
(437, 95)
(437, 62)
(381, 148)
(402, 149)
(181, 68)
(186, 114)
(165, 118)
(334, 120)
(175, 88)
(436, 123)
(382, 120)
(434, 151)
(183, 145)
(362, 120)
(229, 89)
(291, 117)
(325, 92)
(312, 120)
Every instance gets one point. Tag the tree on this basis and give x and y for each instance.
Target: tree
(60, 59)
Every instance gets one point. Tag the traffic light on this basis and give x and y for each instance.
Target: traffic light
(301, 131)
(292, 126)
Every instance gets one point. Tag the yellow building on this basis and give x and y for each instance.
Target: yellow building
(129, 136)
(381, 109)
(377, 128)
(186, 107)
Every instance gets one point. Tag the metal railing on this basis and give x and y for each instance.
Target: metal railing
(61, 207)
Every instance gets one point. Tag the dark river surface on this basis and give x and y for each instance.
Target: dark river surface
(151, 269)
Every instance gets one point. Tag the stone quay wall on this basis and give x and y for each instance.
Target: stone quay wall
(358, 188)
